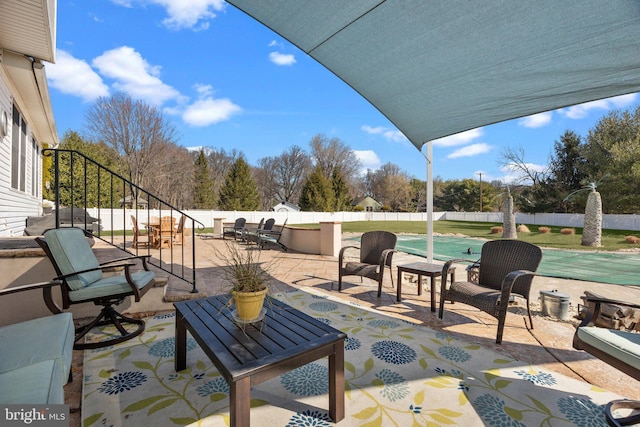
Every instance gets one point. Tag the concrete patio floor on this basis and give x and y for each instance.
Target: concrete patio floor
(549, 344)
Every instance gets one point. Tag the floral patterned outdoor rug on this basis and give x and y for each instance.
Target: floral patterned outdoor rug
(396, 374)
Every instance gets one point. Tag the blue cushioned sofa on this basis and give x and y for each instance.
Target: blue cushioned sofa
(35, 356)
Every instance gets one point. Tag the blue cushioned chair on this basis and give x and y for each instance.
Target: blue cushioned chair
(84, 281)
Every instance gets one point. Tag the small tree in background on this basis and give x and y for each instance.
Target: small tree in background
(239, 191)
(317, 193)
(341, 197)
(203, 197)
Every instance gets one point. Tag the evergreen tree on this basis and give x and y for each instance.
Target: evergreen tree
(100, 154)
(239, 191)
(317, 193)
(203, 197)
(341, 197)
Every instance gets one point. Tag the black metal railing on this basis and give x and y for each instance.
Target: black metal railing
(82, 183)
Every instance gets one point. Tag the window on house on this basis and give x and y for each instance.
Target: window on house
(19, 154)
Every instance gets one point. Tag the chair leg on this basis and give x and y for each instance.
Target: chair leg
(339, 282)
(529, 312)
(501, 322)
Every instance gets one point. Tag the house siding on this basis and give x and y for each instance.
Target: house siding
(16, 205)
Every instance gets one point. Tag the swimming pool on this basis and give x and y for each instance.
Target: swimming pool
(603, 267)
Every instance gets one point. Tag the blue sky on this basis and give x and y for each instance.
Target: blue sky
(224, 80)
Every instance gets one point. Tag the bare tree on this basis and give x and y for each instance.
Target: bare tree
(329, 154)
(281, 178)
(514, 160)
(138, 132)
(265, 177)
(174, 188)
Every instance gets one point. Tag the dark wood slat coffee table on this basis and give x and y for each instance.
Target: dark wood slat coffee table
(247, 355)
(423, 269)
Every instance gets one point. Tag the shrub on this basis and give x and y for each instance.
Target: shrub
(386, 208)
(358, 208)
(523, 229)
(544, 230)
(632, 240)
(497, 229)
(567, 231)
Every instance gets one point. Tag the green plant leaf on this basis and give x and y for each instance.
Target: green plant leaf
(258, 402)
(143, 365)
(368, 365)
(92, 419)
(141, 404)
(161, 405)
(501, 384)
(184, 421)
(366, 413)
(540, 405)
(216, 397)
(513, 413)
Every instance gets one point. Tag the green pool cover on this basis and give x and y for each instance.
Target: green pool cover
(603, 267)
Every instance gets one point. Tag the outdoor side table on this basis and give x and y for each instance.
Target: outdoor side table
(248, 354)
(423, 269)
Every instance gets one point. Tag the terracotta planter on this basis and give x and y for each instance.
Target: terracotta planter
(249, 304)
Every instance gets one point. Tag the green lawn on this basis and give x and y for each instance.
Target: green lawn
(612, 240)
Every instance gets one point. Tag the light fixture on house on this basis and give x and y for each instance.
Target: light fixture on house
(4, 123)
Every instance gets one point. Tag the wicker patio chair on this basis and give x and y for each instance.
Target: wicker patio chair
(376, 252)
(506, 267)
(618, 348)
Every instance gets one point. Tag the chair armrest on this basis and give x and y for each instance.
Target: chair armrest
(599, 300)
(508, 282)
(101, 267)
(342, 251)
(595, 313)
(29, 287)
(142, 258)
(386, 256)
(445, 271)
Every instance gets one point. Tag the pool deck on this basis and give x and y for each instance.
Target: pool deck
(549, 344)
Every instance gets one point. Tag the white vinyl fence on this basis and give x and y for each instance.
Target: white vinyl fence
(120, 220)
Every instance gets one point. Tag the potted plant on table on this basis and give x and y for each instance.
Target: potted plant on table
(248, 281)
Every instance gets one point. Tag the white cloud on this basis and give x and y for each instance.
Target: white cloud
(75, 77)
(389, 134)
(536, 120)
(368, 159)
(461, 138)
(134, 75)
(282, 58)
(208, 111)
(582, 110)
(470, 150)
(194, 14)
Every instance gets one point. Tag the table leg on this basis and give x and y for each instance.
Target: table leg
(336, 382)
(399, 291)
(181, 343)
(240, 402)
(419, 284)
